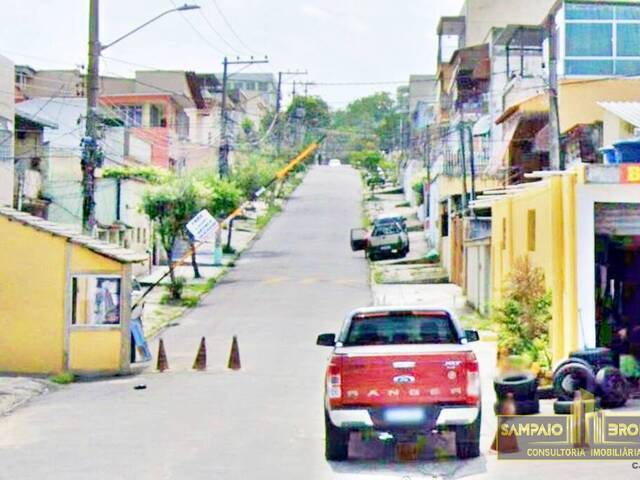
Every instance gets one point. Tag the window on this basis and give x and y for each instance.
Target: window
(401, 328)
(131, 114)
(157, 118)
(531, 230)
(589, 40)
(628, 38)
(602, 39)
(389, 229)
(96, 300)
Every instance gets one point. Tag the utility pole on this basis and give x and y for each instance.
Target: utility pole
(89, 143)
(472, 163)
(279, 104)
(223, 157)
(555, 154)
(90, 149)
(463, 162)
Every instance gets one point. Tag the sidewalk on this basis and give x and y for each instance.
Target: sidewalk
(15, 391)
(159, 313)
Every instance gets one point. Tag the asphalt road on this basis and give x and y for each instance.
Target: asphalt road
(265, 421)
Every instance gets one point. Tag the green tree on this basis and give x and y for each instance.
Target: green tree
(171, 206)
(251, 173)
(375, 117)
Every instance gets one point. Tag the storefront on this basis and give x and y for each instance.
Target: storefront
(608, 257)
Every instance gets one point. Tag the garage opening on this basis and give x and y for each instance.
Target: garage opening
(617, 282)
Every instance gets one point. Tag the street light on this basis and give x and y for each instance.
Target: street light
(183, 8)
(89, 144)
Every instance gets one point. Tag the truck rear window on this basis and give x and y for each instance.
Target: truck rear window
(389, 229)
(402, 329)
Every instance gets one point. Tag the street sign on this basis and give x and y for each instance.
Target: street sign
(202, 226)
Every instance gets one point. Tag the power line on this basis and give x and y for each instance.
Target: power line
(214, 30)
(198, 32)
(231, 29)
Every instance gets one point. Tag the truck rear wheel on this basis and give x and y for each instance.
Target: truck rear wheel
(336, 442)
(468, 440)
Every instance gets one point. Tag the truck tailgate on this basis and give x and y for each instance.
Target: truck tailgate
(377, 376)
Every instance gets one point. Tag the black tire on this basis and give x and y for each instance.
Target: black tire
(546, 393)
(574, 360)
(598, 357)
(336, 442)
(468, 439)
(612, 387)
(522, 407)
(522, 386)
(572, 377)
(372, 257)
(564, 407)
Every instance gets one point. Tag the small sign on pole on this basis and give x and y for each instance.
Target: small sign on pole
(202, 226)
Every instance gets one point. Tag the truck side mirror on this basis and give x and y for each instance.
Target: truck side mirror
(326, 340)
(472, 335)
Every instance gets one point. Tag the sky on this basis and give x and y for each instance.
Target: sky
(335, 41)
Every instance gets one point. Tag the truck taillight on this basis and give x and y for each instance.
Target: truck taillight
(473, 380)
(334, 379)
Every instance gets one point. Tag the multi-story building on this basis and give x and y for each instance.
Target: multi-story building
(7, 87)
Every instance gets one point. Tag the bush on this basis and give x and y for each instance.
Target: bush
(63, 378)
(252, 173)
(524, 315)
(153, 175)
(176, 288)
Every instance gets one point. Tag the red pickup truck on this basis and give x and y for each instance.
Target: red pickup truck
(400, 372)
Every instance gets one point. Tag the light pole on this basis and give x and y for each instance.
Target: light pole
(89, 142)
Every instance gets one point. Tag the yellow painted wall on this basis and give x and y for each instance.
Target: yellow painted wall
(32, 280)
(578, 101)
(453, 185)
(555, 251)
(94, 350)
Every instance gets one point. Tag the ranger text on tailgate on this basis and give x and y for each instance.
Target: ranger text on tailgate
(402, 372)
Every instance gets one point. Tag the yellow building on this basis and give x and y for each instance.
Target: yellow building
(582, 228)
(65, 299)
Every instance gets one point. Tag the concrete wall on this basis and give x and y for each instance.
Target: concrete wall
(482, 15)
(553, 202)
(578, 100)
(31, 300)
(7, 115)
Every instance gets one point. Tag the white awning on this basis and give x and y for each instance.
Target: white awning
(482, 126)
(627, 111)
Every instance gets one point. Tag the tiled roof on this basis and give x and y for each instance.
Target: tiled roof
(109, 250)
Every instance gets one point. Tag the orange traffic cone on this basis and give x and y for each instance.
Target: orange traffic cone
(234, 356)
(162, 358)
(200, 362)
(505, 443)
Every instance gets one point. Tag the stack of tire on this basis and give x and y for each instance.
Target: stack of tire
(522, 387)
(591, 370)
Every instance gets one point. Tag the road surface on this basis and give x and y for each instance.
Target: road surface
(265, 421)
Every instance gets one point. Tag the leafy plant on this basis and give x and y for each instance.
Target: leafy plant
(153, 175)
(63, 378)
(524, 315)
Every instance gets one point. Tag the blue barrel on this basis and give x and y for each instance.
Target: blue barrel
(628, 151)
(609, 154)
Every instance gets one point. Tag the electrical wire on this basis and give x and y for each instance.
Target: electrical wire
(231, 29)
